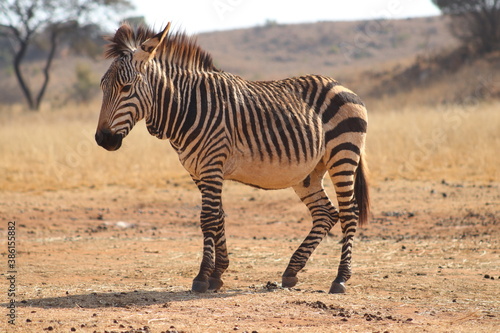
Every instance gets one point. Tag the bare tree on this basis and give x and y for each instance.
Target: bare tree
(475, 22)
(21, 21)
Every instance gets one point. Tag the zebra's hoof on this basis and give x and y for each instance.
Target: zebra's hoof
(289, 281)
(337, 288)
(200, 286)
(214, 283)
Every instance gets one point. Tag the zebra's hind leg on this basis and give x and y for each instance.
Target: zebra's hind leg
(324, 216)
(348, 218)
(343, 178)
(215, 259)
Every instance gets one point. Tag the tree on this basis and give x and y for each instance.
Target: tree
(22, 22)
(475, 22)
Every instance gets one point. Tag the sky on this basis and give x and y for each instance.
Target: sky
(195, 16)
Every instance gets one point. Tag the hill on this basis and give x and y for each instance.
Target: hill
(343, 50)
(330, 48)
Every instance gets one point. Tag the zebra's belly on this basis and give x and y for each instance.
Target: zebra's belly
(270, 176)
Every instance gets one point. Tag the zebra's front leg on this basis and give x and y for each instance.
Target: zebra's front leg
(215, 259)
(221, 257)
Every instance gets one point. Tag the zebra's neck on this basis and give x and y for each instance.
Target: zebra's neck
(176, 104)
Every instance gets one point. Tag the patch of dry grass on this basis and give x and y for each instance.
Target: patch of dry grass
(56, 149)
(446, 142)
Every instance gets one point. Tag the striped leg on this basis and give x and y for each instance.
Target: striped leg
(324, 216)
(343, 181)
(215, 259)
(221, 256)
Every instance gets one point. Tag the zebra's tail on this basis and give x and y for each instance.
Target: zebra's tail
(361, 192)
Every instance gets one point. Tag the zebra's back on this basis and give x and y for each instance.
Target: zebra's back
(280, 130)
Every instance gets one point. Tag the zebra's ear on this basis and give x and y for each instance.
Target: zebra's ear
(147, 50)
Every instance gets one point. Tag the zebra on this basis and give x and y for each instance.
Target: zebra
(266, 134)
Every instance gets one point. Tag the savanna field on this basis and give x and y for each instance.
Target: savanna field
(110, 241)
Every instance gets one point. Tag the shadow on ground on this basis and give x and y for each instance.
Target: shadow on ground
(120, 299)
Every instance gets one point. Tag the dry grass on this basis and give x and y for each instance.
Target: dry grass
(448, 142)
(56, 149)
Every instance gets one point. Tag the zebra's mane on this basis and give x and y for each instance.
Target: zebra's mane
(177, 48)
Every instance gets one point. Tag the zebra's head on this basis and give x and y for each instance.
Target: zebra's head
(127, 94)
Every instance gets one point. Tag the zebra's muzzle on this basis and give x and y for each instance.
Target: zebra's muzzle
(107, 140)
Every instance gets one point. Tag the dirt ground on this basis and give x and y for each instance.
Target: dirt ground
(118, 259)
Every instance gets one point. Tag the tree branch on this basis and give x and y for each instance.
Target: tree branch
(18, 58)
(46, 71)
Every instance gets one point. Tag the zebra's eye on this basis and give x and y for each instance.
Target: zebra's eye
(126, 88)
